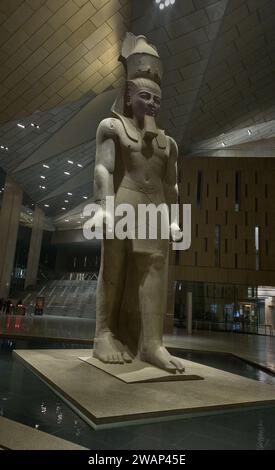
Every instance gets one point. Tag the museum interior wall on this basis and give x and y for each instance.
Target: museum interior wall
(59, 78)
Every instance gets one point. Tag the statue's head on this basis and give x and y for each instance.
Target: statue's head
(143, 98)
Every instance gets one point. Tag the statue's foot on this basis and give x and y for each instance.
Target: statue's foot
(110, 350)
(160, 357)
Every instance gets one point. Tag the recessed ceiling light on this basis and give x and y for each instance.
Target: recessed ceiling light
(79, 222)
(70, 162)
(161, 6)
(63, 208)
(80, 166)
(85, 197)
(249, 132)
(2, 147)
(223, 144)
(82, 216)
(66, 200)
(172, 2)
(67, 220)
(43, 177)
(45, 166)
(46, 205)
(167, 3)
(69, 194)
(67, 173)
(21, 125)
(43, 187)
(6, 148)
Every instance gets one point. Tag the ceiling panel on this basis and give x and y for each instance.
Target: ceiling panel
(54, 51)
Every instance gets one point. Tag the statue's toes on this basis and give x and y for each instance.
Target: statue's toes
(110, 359)
(115, 358)
(104, 358)
(126, 357)
(178, 364)
(120, 358)
(169, 366)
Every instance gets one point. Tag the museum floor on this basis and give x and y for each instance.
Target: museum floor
(25, 399)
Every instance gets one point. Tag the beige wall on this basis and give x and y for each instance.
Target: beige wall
(257, 207)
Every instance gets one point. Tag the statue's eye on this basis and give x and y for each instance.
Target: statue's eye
(156, 99)
(145, 96)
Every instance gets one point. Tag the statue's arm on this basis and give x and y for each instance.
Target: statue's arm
(105, 160)
(171, 186)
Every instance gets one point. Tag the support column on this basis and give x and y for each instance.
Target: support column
(9, 224)
(189, 308)
(169, 314)
(35, 247)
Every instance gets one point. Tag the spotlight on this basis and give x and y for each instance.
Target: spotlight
(161, 6)
(167, 3)
(158, 1)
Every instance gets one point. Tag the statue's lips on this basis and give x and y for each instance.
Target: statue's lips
(152, 113)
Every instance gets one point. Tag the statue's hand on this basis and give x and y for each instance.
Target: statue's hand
(175, 232)
(102, 219)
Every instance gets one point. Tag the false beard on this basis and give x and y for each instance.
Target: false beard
(150, 127)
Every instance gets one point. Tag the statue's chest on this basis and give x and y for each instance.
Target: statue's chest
(143, 153)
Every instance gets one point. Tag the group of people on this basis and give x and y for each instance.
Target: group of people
(7, 307)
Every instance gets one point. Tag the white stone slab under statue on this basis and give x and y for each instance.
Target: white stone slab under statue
(139, 371)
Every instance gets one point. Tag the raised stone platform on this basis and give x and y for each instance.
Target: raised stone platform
(17, 436)
(105, 401)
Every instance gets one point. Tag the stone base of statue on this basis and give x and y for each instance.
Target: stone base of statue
(104, 400)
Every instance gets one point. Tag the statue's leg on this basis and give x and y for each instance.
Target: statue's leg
(109, 296)
(153, 271)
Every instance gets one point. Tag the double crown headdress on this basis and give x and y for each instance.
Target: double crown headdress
(140, 60)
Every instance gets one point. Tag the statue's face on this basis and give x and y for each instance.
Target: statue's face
(145, 102)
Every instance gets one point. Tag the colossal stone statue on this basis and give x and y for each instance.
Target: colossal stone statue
(137, 164)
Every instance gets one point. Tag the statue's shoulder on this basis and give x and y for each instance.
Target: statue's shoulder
(108, 127)
(172, 145)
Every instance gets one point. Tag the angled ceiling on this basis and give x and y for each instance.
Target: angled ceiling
(59, 70)
(54, 51)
